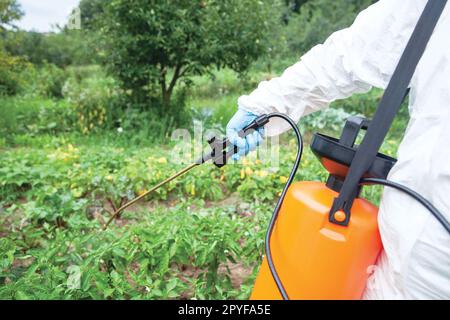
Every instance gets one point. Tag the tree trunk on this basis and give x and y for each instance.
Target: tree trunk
(166, 97)
(166, 92)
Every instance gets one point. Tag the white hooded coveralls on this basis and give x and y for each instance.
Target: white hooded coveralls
(415, 263)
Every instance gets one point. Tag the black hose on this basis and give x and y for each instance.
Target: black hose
(280, 202)
(427, 204)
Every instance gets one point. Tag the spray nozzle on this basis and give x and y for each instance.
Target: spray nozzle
(223, 149)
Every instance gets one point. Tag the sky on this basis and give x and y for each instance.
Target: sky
(42, 15)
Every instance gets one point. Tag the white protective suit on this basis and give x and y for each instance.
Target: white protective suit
(415, 263)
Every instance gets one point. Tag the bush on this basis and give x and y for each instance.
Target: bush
(11, 77)
(45, 81)
(139, 122)
(65, 48)
(93, 101)
(29, 115)
(80, 73)
(318, 19)
(330, 119)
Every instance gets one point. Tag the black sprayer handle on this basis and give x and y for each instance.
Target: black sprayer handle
(223, 149)
(256, 124)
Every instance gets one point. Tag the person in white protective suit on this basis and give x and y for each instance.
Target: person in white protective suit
(415, 263)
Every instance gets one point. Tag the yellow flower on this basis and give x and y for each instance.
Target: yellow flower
(77, 193)
(162, 160)
(109, 178)
(193, 189)
(283, 179)
(242, 174)
(262, 173)
(248, 171)
(142, 192)
(222, 177)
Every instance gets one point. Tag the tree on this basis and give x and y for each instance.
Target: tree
(67, 47)
(10, 66)
(91, 10)
(10, 11)
(317, 19)
(156, 43)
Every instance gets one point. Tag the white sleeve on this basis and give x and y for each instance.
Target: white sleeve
(352, 60)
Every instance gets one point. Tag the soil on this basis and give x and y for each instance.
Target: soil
(237, 272)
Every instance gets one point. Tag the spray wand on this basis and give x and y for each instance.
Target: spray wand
(221, 151)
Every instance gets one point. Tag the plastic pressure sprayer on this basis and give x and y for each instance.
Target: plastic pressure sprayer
(323, 238)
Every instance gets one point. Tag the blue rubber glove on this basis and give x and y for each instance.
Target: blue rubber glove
(241, 119)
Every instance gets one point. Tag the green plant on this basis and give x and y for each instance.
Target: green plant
(62, 49)
(152, 48)
(93, 99)
(11, 73)
(317, 19)
(32, 116)
(10, 11)
(46, 80)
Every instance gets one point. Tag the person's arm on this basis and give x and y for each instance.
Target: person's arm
(351, 60)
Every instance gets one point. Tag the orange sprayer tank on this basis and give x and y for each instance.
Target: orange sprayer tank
(314, 258)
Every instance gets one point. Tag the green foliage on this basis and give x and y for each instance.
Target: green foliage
(31, 116)
(176, 252)
(17, 76)
(45, 81)
(317, 19)
(92, 99)
(151, 45)
(90, 11)
(329, 120)
(67, 47)
(10, 11)
(11, 73)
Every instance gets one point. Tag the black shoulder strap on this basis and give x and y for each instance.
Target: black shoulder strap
(387, 108)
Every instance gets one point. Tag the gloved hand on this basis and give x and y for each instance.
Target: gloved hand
(241, 119)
